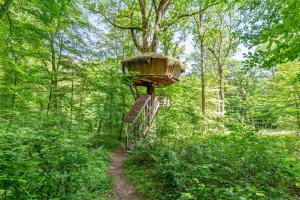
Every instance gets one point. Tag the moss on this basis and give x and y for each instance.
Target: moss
(147, 57)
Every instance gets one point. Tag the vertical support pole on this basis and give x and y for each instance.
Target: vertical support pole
(145, 123)
(147, 115)
(151, 91)
(126, 137)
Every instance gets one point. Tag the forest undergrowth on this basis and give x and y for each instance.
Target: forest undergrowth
(234, 166)
(54, 164)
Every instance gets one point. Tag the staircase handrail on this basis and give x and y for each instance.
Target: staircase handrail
(140, 117)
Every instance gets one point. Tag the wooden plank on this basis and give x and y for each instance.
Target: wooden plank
(156, 80)
(137, 108)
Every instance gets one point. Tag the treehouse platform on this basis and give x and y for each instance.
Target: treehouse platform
(152, 69)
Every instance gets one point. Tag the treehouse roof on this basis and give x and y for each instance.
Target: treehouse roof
(153, 69)
(148, 57)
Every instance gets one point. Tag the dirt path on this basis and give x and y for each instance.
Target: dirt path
(122, 188)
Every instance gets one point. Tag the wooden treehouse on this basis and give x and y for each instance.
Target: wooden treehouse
(149, 70)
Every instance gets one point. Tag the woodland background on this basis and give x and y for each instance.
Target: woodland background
(231, 130)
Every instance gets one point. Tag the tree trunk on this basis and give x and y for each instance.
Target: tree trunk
(202, 67)
(151, 91)
(298, 112)
(54, 81)
(201, 32)
(49, 99)
(72, 99)
(221, 91)
(242, 106)
(82, 90)
(143, 6)
(13, 102)
(99, 126)
(123, 116)
(55, 91)
(111, 100)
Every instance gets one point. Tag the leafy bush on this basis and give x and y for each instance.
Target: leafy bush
(51, 165)
(234, 166)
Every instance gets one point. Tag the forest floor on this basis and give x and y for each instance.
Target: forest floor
(122, 188)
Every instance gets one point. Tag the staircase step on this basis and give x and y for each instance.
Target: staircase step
(137, 108)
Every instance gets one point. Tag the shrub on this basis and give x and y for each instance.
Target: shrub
(235, 166)
(51, 165)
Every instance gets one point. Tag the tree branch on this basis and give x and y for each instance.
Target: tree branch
(163, 5)
(144, 23)
(150, 11)
(135, 42)
(124, 27)
(214, 54)
(10, 27)
(155, 6)
(189, 15)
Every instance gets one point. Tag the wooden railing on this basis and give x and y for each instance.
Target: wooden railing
(140, 117)
(164, 100)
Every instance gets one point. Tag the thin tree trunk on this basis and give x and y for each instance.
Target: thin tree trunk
(202, 67)
(244, 99)
(201, 32)
(49, 99)
(72, 96)
(221, 91)
(111, 101)
(13, 102)
(99, 126)
(123, 116)
(80, 118)
(298, 112)
(54, 79)
(53, 88)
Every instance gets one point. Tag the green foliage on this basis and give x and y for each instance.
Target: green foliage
(63, 99)
(58, 122)
(235, 166)
(276, 99)
(52, 164)
(183, 114)
(273, 27)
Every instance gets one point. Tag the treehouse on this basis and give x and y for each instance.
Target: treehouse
(150, 70)
(153, 69)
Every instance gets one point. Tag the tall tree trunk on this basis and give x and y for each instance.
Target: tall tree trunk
(202, 67)
(298, 122)
(99, 126)
(54, 81)
(13, 101)
(72, 99)
(111, 100)
(242, 107)
(143, 6)
(221, 91)
(55, 91)
(80, 116)
(297, 97)
(201, 32)
(49, 98)
(123, 116)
